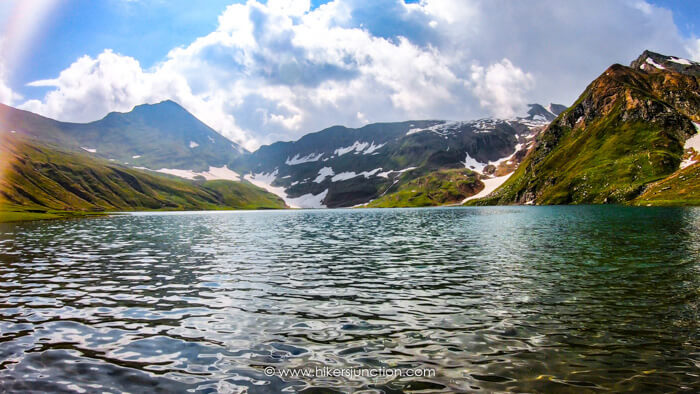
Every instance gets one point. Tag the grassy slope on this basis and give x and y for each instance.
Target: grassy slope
(152, 136)
(610, 157)
(243, 195)
(593, 167)
(681, 188)
(436, 188)
(38, 181)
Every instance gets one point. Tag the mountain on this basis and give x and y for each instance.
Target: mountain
(439, 187)
(335, 167)
(538, 112)
(630, 128)
(39, 180)
(678, 189)
(652, 62)
(161, 136)
(342, 167)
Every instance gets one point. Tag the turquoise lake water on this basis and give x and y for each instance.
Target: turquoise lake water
(567, 299)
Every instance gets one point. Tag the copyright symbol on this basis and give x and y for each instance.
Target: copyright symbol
(269, 371)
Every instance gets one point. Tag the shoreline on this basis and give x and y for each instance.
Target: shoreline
(7, 217)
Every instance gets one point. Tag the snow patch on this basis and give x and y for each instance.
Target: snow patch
(372, 148)
(265, 180)
(221, 173)
(357, 146)
(507, 159)
(692, 143)
(687, 163)
(351, 174)
(323, 173)
(214, 173)
(88, 149)
(446, 129)
(489, 186)
(681, 61)
(473, 164)
(193, 144)
(653, 63)
(307, 200)
(187, 174)
(343, 176)
(306, 159)
(368, 174)
(386, 174)
(135, 156)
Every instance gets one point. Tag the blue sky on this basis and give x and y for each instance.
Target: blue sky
(451, 58)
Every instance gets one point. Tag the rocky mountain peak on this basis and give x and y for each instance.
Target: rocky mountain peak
(538, 112)
(655, 62)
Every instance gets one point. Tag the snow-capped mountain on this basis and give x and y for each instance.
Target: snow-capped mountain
(544, 114)
(652, 61)
(335, 167)
(629, 138)
(340, 167)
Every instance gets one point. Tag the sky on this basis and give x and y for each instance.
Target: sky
(263, 71)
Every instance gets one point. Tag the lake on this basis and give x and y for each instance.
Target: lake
(568, 299)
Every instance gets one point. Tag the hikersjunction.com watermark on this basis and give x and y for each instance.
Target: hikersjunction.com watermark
(350, 373)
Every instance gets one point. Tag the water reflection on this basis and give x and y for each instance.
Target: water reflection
(506, 298)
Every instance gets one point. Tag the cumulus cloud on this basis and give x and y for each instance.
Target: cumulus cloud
(501, 88)
(694, 49)
(278, 70)
(7, 95)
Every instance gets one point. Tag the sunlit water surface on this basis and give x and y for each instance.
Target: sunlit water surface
(508, 298)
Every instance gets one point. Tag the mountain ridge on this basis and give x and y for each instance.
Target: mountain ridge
(40, 180)
(154, 136)
(341, 167)
(334, 167)
(626, 130)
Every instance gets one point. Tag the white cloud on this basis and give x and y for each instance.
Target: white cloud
(92, 87)
(694, 49)
(501, 88)
(278, 70)
(7, 95)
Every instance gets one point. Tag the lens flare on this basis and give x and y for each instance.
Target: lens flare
(22, 21)
(23, 24)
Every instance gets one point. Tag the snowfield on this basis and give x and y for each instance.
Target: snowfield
(214, 173)
(265, 180)
(489, 186)
(692, 143)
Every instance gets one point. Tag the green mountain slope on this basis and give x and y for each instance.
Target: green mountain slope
(154, 136)
(38, 180)
(626, 130)
(681, 188)
(436, 188)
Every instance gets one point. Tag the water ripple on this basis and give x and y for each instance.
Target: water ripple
(536, 299)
